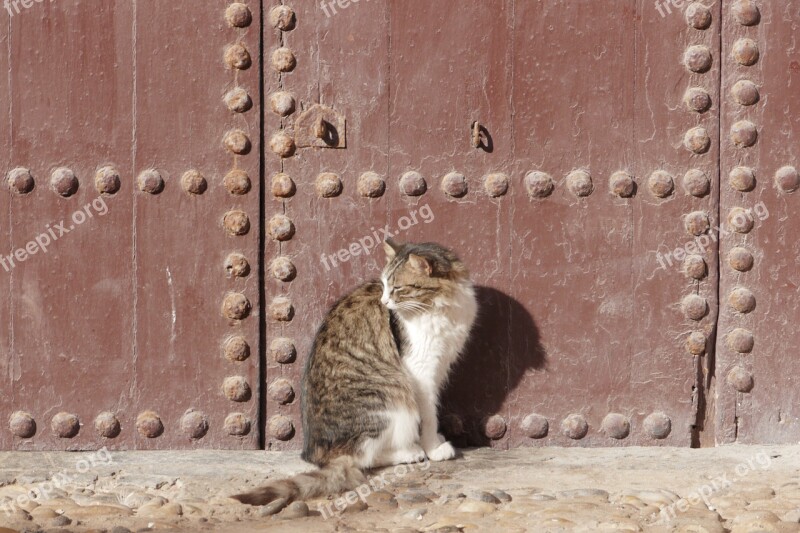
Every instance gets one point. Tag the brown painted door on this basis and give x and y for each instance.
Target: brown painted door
(588, 160)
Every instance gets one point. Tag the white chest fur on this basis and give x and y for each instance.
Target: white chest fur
(435, 339)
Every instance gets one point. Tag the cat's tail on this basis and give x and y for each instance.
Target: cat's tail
(340, 475)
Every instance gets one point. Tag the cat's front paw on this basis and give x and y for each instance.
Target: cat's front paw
(443, 452)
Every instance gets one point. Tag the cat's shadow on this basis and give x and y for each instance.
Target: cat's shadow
(504, 345)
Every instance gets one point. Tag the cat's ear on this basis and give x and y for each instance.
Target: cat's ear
(420, 264)
(390, 247)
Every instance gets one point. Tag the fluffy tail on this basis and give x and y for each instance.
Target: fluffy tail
(339, 475)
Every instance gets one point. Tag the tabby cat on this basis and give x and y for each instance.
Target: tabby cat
(371, 384)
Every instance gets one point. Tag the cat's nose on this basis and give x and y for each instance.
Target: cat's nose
(385, 300)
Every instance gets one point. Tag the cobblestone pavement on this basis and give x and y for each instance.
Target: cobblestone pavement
(737, 489)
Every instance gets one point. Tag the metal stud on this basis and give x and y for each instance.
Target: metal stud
(745, 92)
(149, 425)
(696, 223)
(280, 228)
(698, 16)
(22, 425)
(745, 52)
(740, 259)
(740, 379)
(237, 57)
(658, 425)
(194, 424)
(150, 181)
(236, 389)
(20, 180)
(237, 142)
(283, 60)
(236, 306)
(236, 424)
(742, 300)
(741, 340)
(238, 101)
(539, 184)
(694, 307)
(787, 179)
(282, 144)
(744, 134)
(697, 99)
(328, 185)
(237, 266)
(281, 391)
(282, 351)
(107, 425)
(494, 427)
(616, 425)
(495, 184)
(281, 309)
(694, 266)
(237, 182)
(574, 426)
(454, 185)
(65, 425)
(238, 15)
(236, 349)
(282, 18)
(740, 220)
(579, 182)
(742, 179)
(107, 180)
(281, 427)
(371, 185)
(661, 184)
(696, 343)
(535, 426)
(283, 269)
(698, 58)
(283, 186)
(64, 182)
(696, 140)
(236, 223)
(746, 12)
(413, 184)
(696, 183)
(282, 103)
(193, 182)
(622, 184)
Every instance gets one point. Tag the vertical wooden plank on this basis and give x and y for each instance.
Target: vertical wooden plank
(71, 312)
(181, 243)
(6, 367)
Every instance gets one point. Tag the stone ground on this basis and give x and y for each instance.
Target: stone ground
(736, 488)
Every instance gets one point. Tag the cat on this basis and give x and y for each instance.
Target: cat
(371, 385)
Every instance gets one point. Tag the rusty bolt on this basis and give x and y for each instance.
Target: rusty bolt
(283, 60)
(661, 184)
(281, 309)
(280, 228)
(622, 184)
(787, 179)
(236, 389)
(744, 134)
(694, 266)
(237, 56)
(696, 183)
(236, 222)
(698, 58)
(371, 185)
(694, 306)
(236, 424)
(283, 269)
(149, 425)
(742, 179)
(740, 220)
(107, 180)
(740, 379)
(235, 306)
(64, 182)
(740, 259)
(696, 223)
(236, 349)
(282, 144)
(539, 184)
(698, 16)
(320, 128)
(195, 424)
(658, 425)
(282, 186)
(150, 181)
(413, 184)
(696, 343)
(237, 266)
(107, 425)
(579, 182)
(616, 426)
(238, 15)
(328, 185)
(454, 184)
(193, 182)
(20, 180)
(283, 351)
(535, 426)
(238, 101)
(745, 52)
(281, 427)
(495, 184)
(745, 92)
(494, 427)
(282, 103)
(282, 18)
(741, 340)
(742, 300)
(697, 140)
(65, 425)
(453, 425)
(237, 142)
(281, 391)
(237, 182)
(574, 426)
(22, 425)
(746, 12)
(697, 99)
